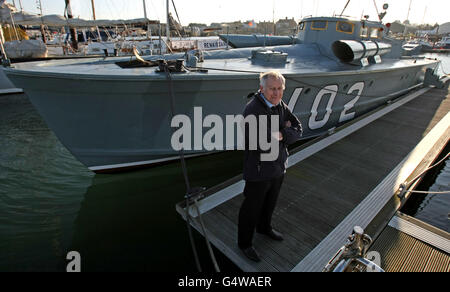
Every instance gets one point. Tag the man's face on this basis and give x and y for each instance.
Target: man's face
(273, 91)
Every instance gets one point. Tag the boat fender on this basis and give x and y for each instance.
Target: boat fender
(432, 79)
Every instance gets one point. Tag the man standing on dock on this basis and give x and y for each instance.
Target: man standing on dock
(263, 179)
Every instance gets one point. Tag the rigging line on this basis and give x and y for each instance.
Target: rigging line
(189, 190)
(183, 167)
(287, 78)
(376, 8)
(191, 237)
(342, 13)
(211, 252)
(426, 170)
(175, 8)
(14, 25)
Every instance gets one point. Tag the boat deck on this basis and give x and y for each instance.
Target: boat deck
(305, 60)
(410, 245)
(334, 183)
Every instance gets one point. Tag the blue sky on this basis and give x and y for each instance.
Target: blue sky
(207, 11)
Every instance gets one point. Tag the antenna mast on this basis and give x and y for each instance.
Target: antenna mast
(342, 13)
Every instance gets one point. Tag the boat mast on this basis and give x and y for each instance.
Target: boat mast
(42, 25)
(423, 18)
(407, 18)
(168, 21)
(93, 14)
(21, 7)
(93, 8)
(409, 9)
(146, 19)
(73, 33)
(20, 3)
(273, 18)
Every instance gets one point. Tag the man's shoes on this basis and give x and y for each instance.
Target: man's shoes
(251, 253)
(275, 235)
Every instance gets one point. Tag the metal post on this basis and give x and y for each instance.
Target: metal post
(160, 39)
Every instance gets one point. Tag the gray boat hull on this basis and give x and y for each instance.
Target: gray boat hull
(117, 123)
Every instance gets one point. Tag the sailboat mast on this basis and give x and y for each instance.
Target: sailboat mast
(44, 39)
(407, 19)
(99, 37)
(409, 9)
(146, 19)
(93, 9)
(40, 6)
(145, 9)
(21, 7)
(168, 21)
(73, 33)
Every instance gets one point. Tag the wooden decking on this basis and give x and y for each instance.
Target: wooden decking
(410, 245)
(332, 187)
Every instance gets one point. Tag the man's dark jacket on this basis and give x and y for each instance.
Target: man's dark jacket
(254, 168)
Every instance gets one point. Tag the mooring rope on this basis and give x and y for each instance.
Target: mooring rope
(185, 174)
(189, 192)
(429, 192)
(213, 258)
(404, 186)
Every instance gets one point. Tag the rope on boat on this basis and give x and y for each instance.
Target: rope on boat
(191, 193)
(428, 192)
(185, 175)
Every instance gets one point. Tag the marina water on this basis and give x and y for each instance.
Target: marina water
(50, 204)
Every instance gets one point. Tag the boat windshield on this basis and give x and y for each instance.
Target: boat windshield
(319, 25)
(344, 26)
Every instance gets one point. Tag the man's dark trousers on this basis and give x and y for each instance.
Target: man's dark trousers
(260, 198)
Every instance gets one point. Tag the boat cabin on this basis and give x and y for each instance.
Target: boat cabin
(326, 30)
(351, 41)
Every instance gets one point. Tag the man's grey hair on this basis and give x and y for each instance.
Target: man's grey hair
(263, 77)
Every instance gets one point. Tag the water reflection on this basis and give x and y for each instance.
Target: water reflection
(128, 222)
